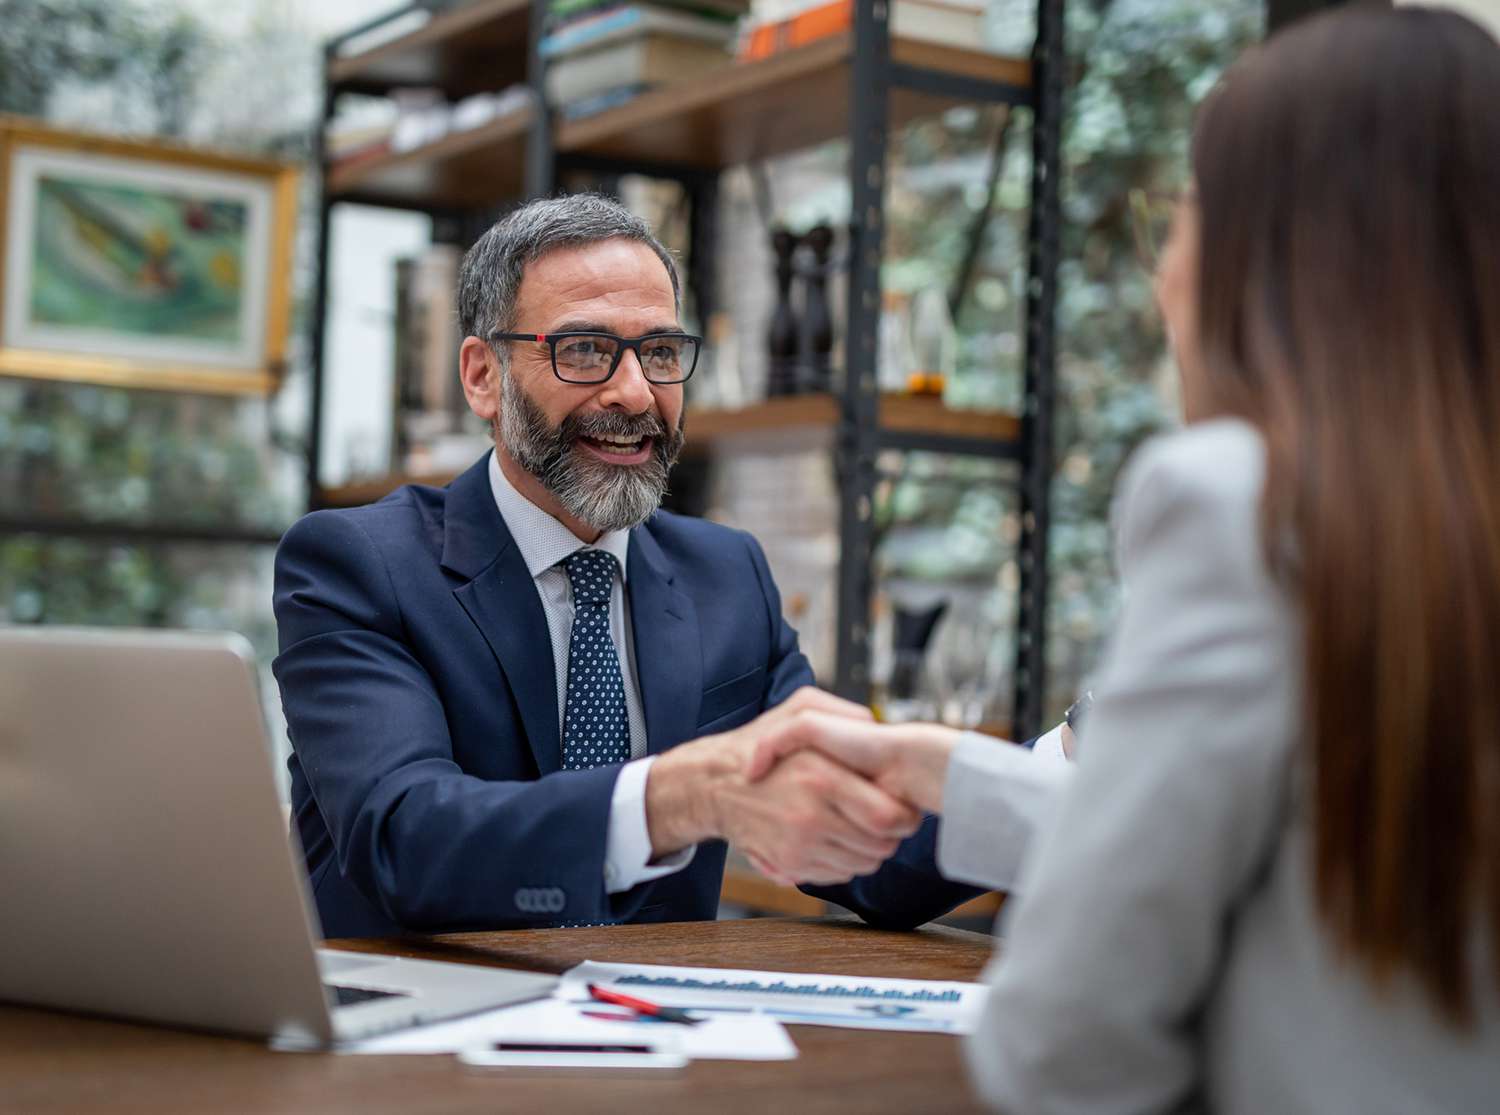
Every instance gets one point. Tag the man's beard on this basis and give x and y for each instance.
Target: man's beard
(601, 495)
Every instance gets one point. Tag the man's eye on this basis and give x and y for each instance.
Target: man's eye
(581, 348)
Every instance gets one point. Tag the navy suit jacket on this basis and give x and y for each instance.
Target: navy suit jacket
(416, 676)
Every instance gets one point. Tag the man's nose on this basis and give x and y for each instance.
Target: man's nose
(628, 389)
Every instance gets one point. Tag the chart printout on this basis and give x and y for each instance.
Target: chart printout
(863, 1002)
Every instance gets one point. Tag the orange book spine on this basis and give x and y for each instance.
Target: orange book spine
(805, 27)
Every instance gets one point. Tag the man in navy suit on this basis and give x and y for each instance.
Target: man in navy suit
(529, 698)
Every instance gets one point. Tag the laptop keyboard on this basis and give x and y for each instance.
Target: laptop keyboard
(341, 996)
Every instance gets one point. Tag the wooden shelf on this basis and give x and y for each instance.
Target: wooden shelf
(368, 491)
(784, 103)
(467, 50)
(471, 168)
(741, 113)
(707, 428)
(737, 430)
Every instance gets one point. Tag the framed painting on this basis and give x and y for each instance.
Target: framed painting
(142, 264)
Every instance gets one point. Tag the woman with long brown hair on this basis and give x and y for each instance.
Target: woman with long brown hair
(1272, 883)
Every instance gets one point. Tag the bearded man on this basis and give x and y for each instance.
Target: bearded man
(529, 698)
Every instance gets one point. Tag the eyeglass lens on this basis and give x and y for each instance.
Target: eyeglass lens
(588, 357)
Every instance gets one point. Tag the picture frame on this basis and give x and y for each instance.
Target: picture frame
(141, 263)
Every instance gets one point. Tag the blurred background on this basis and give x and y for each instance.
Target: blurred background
(147, 506)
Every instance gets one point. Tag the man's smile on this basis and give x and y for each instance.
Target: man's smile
(619, 449)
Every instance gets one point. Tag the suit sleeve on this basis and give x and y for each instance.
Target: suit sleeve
(431, 846)
(908, 890)
(1115, 940)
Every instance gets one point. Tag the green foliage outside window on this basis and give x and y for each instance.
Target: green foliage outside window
(1138, 68)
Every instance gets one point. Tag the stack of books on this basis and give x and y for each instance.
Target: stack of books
(957, 23)
(601, 53)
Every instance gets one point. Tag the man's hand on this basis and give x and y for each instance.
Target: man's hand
(908, 761)
(810, 820)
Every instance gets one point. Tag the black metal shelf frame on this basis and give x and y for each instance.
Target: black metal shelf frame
(859, 439)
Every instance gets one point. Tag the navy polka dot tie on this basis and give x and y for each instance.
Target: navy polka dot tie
(596, 727)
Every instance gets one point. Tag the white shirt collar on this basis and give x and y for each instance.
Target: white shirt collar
(543, 540)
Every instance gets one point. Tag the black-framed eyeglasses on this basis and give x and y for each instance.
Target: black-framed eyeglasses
(593, 357)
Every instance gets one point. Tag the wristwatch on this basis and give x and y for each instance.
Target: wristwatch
(1079, 709)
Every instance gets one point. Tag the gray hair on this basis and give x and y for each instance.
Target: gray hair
(490, 277)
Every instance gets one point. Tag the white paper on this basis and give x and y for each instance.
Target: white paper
(728, 1037)
(858, 1002)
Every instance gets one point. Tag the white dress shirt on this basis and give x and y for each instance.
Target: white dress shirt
(544, 543)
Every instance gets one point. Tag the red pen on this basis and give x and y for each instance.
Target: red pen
(640, 1006)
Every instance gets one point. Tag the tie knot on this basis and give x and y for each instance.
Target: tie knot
(592, 573)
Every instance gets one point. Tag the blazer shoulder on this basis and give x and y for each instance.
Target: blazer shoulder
(406, 514)
(1223, 460)
(1204, 482)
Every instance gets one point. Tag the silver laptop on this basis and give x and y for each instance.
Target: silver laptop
(145, 866)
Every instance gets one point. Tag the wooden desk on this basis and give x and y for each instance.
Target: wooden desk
(57, 1062)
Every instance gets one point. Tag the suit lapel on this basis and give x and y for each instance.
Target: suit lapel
(668, 660)
(501, 598)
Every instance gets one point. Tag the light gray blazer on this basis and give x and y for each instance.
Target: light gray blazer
(1164, 953)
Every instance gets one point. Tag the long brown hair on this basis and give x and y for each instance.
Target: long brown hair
(1348, 175)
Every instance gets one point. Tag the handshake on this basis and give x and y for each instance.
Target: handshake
(813, 791)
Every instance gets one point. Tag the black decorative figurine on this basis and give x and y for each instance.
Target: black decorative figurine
(816, 347)
(781, 337)
(913, 631)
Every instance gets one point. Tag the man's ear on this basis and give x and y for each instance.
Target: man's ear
(479, 371)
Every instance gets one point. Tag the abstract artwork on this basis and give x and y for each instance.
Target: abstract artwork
(143, 266)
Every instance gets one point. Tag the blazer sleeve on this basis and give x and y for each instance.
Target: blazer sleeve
(996, 798)
(431, 846)
(1111, 952)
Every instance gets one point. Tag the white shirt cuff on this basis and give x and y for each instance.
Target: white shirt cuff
(627, 848)
(1050, 746)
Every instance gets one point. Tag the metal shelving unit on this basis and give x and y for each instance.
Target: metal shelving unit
(861, 84)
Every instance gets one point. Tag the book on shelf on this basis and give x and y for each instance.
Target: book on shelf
(601, 102)
(641, 60)
(562, 11)
(348, 143)
(405, 22)
(359, 156)
(949, 22)
(624, 21)
(433, 429)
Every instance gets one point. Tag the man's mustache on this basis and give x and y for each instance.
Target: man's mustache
(607, 423)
